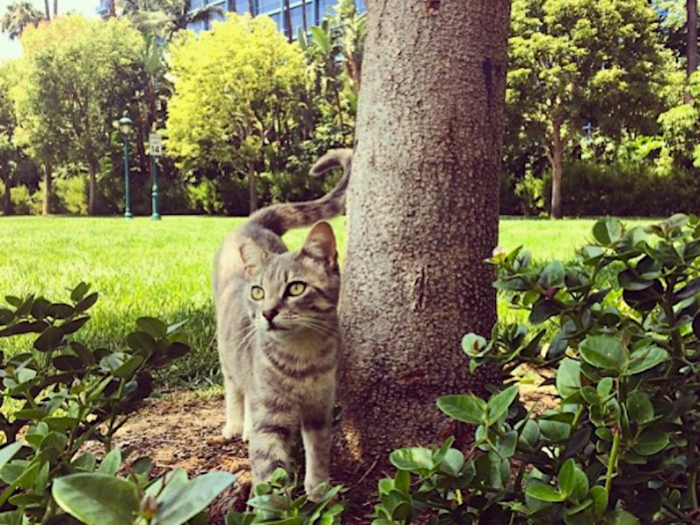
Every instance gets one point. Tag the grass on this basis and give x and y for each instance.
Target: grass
(163, 269)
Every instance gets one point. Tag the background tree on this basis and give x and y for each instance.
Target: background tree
(234, 99)
(17, 17)
(167, 17)
(80, 76)
(577, 62)
(9, 152)
(422, 215)
(692, 30)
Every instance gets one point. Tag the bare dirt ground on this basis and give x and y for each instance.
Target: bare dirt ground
(181, 429)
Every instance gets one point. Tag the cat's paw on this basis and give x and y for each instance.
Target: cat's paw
(315, 489)
(231, 430)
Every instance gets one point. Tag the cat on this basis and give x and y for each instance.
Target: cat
(277, 331)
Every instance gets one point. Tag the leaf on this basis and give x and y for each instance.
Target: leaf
(647, 358)
(111, 463)
(552, 276)
(464, 408)
(87, 303)
(607, 231)
(412, 459)
(651, 441)
(193, 498)
(472, 344)
(129, 367)
(97, 499)
(604, 352)
(568, 378)
(499, 403)
(566, 477)
(452, 463)
(640, 408)
(543, 492)
(79, 292)
(8, 452)
(600, 500)
(152, 326)
(545, 309)
(621, 517)
(68, 362)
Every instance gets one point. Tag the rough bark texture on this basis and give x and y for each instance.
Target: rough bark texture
(422, 216)
(48, 179)
(692, 7)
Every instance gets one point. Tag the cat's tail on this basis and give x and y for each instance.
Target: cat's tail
(281, 218)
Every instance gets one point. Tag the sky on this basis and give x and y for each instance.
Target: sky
(13, 49)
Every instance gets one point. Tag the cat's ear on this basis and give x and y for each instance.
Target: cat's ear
(253, 257)
(320, 244)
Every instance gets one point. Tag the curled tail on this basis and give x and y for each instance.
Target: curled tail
(281, 218)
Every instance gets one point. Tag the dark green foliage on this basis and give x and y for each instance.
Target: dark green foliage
(278, 501)
(62, 395)
(621, 446)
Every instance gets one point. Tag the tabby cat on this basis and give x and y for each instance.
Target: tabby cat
(277, 330)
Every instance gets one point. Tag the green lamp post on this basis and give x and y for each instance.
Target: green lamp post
(125, 124)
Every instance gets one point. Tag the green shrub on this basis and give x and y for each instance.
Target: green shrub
(72, 195)
(25, 202)
(62, 395)
(622, 444)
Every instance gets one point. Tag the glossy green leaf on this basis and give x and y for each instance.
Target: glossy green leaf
(413, 458)
(464, 408)
(499, 403)
(568, 377)
(605, 352)
(639, 408)
(607, 231)
(178, 507)
(543, 492)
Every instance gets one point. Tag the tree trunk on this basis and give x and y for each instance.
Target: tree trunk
(422, 217)
(48, 179)
(233, 7)
(288, 21)
(251, 7)
(112, 8)
(55, 8)
(556, 161)
(7, 208)
(692, 12)
(47, 10)
(252, 191)
(92, 187)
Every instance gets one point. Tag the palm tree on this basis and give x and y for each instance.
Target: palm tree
(18, 16)
(167, 17)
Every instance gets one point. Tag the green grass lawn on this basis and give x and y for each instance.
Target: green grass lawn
(163, 269)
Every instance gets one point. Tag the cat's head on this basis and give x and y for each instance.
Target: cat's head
(294, 293)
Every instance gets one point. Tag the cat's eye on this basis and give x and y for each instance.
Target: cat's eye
(257, 293)
(296, 288)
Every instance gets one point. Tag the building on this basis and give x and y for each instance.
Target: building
(315, 10)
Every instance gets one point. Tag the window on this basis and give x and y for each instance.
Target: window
(267, 6)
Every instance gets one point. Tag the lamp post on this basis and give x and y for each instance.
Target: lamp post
(125, 124)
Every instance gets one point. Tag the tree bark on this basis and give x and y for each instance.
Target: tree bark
(55, 8)
(252, 191)
(692, 21)
(92, 187)
(422, 217)
(556, 161)
(112, 8)
(251, 7)
(48, 179)
(233, 6)
(7, 208)
(47, 10)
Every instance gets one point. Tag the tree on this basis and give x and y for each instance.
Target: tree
(235, 95)
(576, 62)
(18, 16)
(422, 215)
(167, 17)
(692, 29)
(8, 150)
(80, 76)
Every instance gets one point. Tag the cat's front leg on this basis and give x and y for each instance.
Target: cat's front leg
(234, 409)
(270, 445)
(316, 435)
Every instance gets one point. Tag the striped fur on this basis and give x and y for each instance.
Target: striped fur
(279, 352)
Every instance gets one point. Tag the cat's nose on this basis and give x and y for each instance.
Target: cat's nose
(270, 314)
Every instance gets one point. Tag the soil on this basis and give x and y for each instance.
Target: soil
(182, 430)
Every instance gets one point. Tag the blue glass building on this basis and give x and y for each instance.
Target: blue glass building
(315, 10)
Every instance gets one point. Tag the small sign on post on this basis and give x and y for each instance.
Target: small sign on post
(155, 143)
